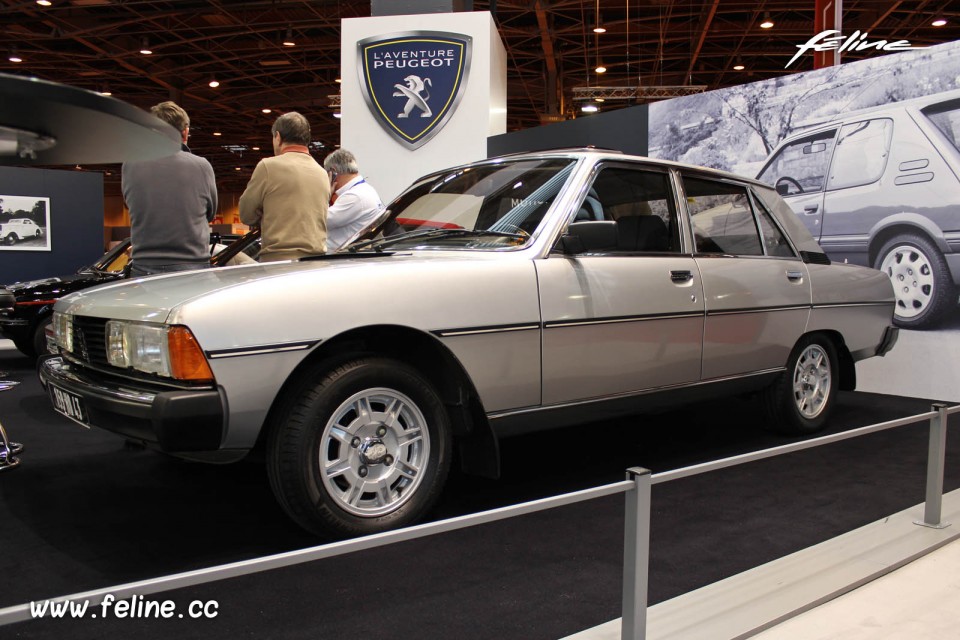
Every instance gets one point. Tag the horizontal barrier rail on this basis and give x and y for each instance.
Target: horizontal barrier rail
(636, 525)
(20, 613)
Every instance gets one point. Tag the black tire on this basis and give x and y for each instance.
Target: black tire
(317, 419)
(921, 280)
(10, 239)
(801, 399)
(39, 341)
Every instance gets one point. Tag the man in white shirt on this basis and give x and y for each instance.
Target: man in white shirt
(354, 203)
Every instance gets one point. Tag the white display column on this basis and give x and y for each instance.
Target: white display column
(403, 113)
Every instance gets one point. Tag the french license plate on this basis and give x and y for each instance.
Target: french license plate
(69, 404)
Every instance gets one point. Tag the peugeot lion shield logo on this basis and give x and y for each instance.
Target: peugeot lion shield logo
(413, 81)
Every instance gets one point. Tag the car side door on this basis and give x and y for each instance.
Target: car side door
(798, 170)
(626, 317)
(756, 288)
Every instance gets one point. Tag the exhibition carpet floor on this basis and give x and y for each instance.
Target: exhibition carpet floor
(84, 512)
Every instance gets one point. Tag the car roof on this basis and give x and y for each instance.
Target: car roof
(880, 109)
(598, 155)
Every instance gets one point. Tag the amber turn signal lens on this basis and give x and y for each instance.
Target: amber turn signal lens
(187, 361)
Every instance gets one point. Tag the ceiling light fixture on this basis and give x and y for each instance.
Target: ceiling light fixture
(217, 133)
(337, 115)
(266, 110)
(255, 148)
(589, 108)
(598, 24)
(214, 83)
(105, 91)
(738, 65)
(288, 40)
(600, 68)
(939, 22)
(44, 3)
(145, 47)
(14, 56)
(767, 22)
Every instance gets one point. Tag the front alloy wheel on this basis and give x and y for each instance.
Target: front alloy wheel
(374, 452)
(359, 448)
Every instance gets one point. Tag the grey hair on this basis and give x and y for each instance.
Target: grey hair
(293, 128)
(341, 162)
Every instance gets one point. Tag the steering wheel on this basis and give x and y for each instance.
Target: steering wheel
(789, 180)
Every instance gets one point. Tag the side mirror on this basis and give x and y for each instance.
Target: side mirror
(588, 237)
(783, 188)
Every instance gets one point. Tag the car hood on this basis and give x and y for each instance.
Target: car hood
(54, 288)
(312, 300)
(158, 298)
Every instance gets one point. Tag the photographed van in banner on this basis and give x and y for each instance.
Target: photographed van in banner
(881, 187)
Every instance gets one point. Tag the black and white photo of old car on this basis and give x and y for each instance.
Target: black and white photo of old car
(517, 294)
(881, 187)
(26, 319)
(17, 229)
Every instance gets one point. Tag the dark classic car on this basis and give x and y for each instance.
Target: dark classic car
(515, 294)
(29, 305)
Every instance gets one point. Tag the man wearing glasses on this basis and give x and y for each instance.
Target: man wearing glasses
(355, 203)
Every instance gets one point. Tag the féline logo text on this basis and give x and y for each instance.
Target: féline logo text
(833, 39)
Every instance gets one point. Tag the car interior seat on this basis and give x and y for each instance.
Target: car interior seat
(642, 233)
(591, 209)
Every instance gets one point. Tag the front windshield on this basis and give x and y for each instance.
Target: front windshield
(488, 207)
(114, 260)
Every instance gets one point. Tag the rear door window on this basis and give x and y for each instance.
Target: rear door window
(861, 153)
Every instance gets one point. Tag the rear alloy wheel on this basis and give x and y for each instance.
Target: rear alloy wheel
(363, 449)
(801, 399)
(921, 281)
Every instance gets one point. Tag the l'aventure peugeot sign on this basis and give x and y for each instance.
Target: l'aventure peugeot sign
(413, 81)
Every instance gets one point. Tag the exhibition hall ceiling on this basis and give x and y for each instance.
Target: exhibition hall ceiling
(283, 55)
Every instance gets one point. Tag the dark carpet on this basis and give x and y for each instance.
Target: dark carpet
(84, 512)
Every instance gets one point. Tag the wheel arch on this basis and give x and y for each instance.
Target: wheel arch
(478, 447)
(903, 224)
(847, 369)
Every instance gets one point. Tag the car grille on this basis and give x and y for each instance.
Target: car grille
(90, 340)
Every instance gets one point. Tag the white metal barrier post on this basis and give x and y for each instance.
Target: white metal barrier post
(936, 453)
(636, 555)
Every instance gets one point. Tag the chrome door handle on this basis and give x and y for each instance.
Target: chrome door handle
(794, 275)
(681, 276)
(811, 209)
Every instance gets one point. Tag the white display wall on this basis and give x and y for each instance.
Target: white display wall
(387, 163)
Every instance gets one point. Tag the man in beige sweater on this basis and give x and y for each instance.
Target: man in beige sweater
(287, 195)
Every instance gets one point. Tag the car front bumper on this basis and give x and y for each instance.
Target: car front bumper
(175, 420)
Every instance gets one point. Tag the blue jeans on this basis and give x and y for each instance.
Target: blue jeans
(137, 271)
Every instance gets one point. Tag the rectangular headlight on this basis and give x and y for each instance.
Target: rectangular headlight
(169, 351)
(138, 346)
(63, 330)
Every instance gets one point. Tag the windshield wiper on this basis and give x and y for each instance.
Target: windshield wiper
(437, 233)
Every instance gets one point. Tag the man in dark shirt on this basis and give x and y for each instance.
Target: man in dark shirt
(172, 201)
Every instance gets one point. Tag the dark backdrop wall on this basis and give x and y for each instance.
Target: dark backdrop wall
(76, 222)
(624, 130)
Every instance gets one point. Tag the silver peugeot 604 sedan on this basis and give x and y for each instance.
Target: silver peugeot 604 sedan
(516, 294)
